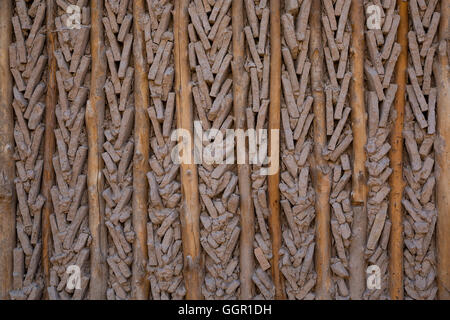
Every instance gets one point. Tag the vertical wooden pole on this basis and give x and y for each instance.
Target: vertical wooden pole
(190, 215)
(94, 124)
(396, 157)
(359, 176)
(139, 283)
(321, 172)
(7, 197)
(240, 87)
(49, 142)
(442, 148)
(273, 181)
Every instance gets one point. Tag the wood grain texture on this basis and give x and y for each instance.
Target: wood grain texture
(274, 127)
(49, 141)
(246, 204)
(7, 172)
(396, 157)
(443, 156)
(94, 124)
(321, 173)
(190, 209)
(140, 283)
(359, 175)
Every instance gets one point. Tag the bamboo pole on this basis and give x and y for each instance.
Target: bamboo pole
(94, 124)
(273, 181)
(7, 196)
(49, 142)
(321, 172)
(443, 157)
(190, 212)
(139, 282)
(359, 176)
(240, 90)
(396, 159)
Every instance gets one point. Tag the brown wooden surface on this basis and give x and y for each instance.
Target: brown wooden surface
(7, 197)
(94, 125)
(396, 159)
(246, 257)
(274, 127)
(442, 146)
(190, 208)
(140, 283)
(49, 141)
(359, 175)
(321, 172)
(190, 214)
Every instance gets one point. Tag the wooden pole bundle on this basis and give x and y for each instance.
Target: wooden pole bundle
(359, 182)
(321, 172)
(274, 128)
(7, 198)
(94, 125)
(190, 211)
(49, 141)
(140, 283)
(240, 102)
(396, 159)
(442, 146)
